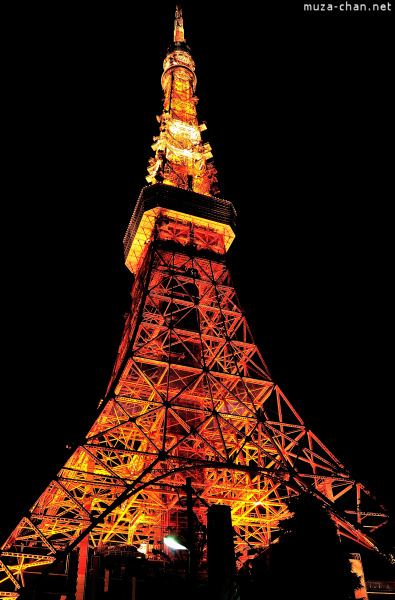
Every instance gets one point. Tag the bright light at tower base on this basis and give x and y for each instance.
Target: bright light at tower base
(173, 544)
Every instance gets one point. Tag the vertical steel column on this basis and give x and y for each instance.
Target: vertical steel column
(82, 569)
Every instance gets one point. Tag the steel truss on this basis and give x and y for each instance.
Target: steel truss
(190, 396)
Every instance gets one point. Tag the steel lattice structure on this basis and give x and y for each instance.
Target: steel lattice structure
(190, 395)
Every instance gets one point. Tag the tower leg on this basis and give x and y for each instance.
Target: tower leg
(134, 579)
(95, 576)
(82, 569)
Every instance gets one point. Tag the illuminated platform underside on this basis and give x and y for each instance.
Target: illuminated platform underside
(192, 219)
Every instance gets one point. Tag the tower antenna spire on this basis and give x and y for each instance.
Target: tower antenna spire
(179, 25)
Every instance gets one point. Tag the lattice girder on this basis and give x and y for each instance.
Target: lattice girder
(190, 396)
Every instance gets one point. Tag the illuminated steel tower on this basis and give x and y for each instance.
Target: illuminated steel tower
(191, 410)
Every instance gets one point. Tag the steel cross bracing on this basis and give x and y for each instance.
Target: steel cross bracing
(190, 396)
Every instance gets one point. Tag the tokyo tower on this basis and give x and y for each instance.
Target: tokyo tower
(191, 418)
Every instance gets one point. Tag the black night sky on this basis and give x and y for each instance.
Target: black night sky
(298, 114)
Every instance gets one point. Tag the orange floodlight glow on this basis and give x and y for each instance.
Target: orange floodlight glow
(190, 397)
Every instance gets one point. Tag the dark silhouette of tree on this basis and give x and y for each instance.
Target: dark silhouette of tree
(308, 562)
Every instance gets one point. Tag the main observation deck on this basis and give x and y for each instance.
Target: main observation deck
(183, 206)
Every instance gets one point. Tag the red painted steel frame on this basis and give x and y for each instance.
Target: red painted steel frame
(190, 395)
